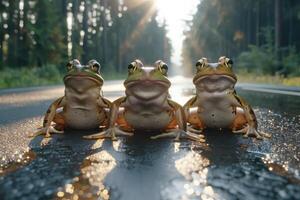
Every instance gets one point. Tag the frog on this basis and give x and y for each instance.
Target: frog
(217, 104)
(82, 107)
(147, 106)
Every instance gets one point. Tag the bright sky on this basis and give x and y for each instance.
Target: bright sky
(175, 12)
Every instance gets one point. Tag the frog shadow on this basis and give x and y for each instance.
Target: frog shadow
(225, 147)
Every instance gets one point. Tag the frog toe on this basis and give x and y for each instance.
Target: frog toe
(243, 130)
(265, 135)
(104, 134)
(45, 131)
(253, 134)
(193, 130)
(195, 137)
(121, 132)
(53, 130)
(109, 133)
(180, 134)
(249, 131)
(163, 135)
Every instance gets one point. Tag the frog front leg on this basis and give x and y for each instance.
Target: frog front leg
(112, 131)
(181, 130)
(191, 110)
(104, 105)
(250, 127)
(51, 116)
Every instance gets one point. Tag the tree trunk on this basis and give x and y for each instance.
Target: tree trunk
(85, 27)
(104, 32)
(277, 27)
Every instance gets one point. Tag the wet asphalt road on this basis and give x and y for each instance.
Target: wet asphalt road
(227, 166)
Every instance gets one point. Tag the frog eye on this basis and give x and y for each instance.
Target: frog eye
(163, 67)
(132, 67)
(228, 62)
(70, 65)
(96, 67)
(201, 63)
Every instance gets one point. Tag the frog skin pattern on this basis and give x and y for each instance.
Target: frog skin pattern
(147, 106)
(216, 103)
(82, 107)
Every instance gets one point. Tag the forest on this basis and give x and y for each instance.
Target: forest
(262, 36)
(38, 37)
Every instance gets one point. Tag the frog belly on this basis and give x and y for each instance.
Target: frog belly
(148, 121)
(217, 118)
(83, 119)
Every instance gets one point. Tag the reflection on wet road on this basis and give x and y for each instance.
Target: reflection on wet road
(226, 167)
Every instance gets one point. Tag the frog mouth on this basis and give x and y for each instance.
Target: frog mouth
(146, 90)
(215, 83)
(84, 76)
(146, 83)
(214, 77)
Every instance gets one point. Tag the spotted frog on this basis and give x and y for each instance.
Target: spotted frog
(83, 106)
(216, 103)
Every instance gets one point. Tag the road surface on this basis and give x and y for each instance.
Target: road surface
(227, 166)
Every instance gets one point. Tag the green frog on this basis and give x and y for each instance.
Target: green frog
(147, 106)
(82, 107)
(216, 103)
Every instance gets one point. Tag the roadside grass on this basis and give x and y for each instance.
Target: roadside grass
(25, 77)
(41, 76)
(268, 79)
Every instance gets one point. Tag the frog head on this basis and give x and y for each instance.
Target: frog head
(85, 74)
(214, 76)
(147, 82)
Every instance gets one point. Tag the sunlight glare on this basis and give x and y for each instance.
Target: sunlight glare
(175, 13)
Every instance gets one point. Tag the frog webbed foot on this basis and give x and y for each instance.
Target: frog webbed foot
(193, 130)
(249, 131)
(109, 133)
(178, 134)
(45, 131)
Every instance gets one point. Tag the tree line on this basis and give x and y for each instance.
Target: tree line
(36, 33)
(261, 35)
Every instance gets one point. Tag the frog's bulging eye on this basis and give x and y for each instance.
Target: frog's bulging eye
(198, 64)
(163, 68)
(201, 63)
(69, 65)
(132, 67)
(229, 62)
(96, 67)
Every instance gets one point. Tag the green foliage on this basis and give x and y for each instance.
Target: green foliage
(249, 32)
(110, 31)
(291, 62)
(257, 60)
(11, 77)
(262, 59)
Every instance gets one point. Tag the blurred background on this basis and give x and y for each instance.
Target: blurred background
(38, 37)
